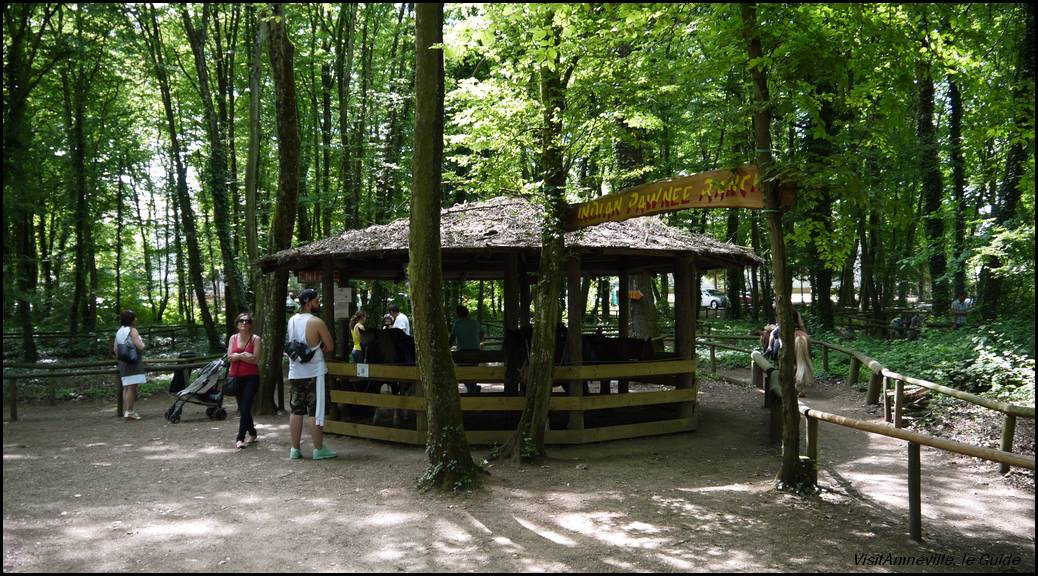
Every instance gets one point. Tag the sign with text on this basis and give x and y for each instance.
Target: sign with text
(739, 188)
(342, 302)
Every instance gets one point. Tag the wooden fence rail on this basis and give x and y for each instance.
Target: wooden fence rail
(880, 378)
(1004, 457)
(915, 440)
(53, 371)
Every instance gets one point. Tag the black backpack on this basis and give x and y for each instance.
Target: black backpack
(299, 351)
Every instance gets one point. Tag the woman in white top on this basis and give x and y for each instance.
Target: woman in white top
(132, 374)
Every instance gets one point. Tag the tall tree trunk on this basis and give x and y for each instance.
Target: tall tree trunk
(820, 151)
(528, 440)
(120, 188)
(21, 75)
(393, 148)
(846, 298)
(992, 299)
(450, 462)
(958, 186)
(326, 144)
(186, 212)
(762, 137)
(141, 225)
(344, 73)
(930, 168)
(360, 129)
(735, 275)
(252, 162)
(272, 314)
(218, 173)
(757, 299)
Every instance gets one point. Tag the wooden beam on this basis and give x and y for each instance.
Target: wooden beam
(630, 370)
(416, 403)
(356, 430)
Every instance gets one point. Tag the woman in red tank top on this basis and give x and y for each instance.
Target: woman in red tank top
(243, 351)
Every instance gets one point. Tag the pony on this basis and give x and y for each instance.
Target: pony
(771, 342)
(805, 374)
(390, 346)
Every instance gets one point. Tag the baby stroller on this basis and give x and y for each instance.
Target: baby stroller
(206, 390)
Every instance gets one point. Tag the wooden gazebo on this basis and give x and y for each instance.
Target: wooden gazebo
(500, 239)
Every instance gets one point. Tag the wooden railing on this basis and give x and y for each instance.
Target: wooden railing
(1005, 458)
(51, 372)
(575, 403)
(880, 378)
(102, 332)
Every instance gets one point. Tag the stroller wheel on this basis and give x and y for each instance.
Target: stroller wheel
(219, 414)
(169, 412)
(174, 418)
(209, 411)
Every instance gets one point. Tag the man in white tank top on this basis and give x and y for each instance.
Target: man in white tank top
(306, 379)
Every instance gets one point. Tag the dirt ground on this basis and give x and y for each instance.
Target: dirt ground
(85, 491)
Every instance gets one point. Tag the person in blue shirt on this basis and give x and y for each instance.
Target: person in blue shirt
(466, 334)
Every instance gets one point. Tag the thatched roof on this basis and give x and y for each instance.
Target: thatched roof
(476, 232)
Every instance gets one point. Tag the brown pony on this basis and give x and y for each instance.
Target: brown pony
(805, 375)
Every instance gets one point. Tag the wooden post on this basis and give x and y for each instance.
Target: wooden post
(684, 321)
(775, 421)
(713, 358)
(812, 440)
(624, 296)
(575, 312)
(887, 408)
(624, 328)
(328, 300)
(511, 319)
(341, 327)
(1008, 431)
(825, 357)
(915, 507)
(852, 376)
(875, 383)
(756, 375)
(899, 402)
(524, 295)
(14, 399)
(119, 397)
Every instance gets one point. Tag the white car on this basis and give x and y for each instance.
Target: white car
(715, 299)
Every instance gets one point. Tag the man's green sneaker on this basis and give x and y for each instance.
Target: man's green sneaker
(294, 454)
(323, 453)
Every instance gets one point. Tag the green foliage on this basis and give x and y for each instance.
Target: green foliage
(994, 360)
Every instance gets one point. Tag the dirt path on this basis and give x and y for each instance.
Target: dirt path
(84, 491)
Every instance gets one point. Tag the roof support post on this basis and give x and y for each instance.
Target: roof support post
(575, 312)
(511, 292)
(328, 300)
(684, 324)
(524, 295)
(624, 297)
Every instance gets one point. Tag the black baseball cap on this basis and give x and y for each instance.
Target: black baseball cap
(308, 295)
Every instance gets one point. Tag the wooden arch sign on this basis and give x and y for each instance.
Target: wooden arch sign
(739, 188)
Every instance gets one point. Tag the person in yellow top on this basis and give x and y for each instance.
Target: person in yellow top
(356, 328)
